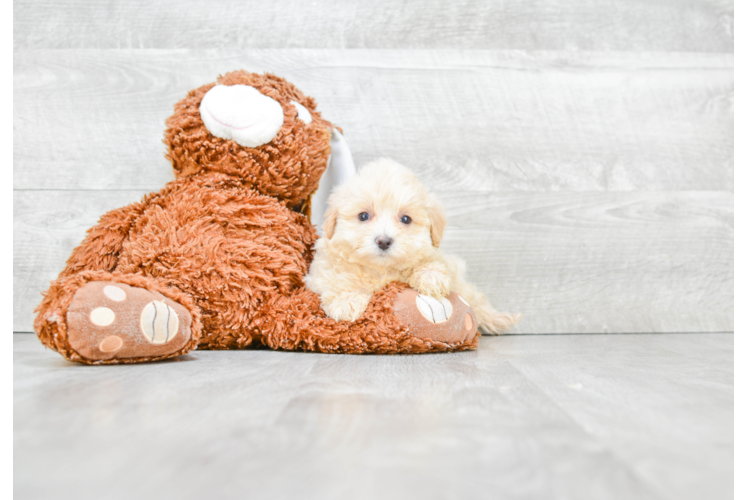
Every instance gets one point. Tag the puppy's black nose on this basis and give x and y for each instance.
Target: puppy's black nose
(383, 242)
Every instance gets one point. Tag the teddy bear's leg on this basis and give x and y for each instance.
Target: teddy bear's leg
(397, 320)
(99, 317)
(93, 314)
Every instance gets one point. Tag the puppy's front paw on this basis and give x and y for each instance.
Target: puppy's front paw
(432, 280)
(347, 308)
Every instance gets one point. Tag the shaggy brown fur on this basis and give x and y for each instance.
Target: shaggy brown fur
(227, 240)
(288, 168)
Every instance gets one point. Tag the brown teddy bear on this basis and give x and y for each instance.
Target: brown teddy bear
(215, 260)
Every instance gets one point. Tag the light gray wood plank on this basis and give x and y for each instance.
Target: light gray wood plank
(739, 214)
(600, 262)
(587, 262)
(526, 417)
(739, 262)
(655, 25)
(492, 120)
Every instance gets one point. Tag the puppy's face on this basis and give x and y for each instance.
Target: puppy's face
(384, 217)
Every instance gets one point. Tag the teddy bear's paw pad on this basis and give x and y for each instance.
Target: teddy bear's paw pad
(109, 320)
(450, 320)
(434, 310)
(159, 322)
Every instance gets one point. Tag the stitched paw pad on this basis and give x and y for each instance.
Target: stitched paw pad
(109, 320)
(159, 322)
(436, 311)
(449, 320)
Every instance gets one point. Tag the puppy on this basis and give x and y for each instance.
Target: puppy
(382, 226)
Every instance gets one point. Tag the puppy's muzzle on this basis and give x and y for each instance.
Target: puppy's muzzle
(383, 242)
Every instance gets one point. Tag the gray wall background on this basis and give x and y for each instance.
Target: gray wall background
(583, 149)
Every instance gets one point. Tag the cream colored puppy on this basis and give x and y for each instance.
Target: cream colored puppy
(383, 226)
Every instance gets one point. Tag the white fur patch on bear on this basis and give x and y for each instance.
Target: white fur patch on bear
(302, 113)
(436, 311)
(159, 322)
(241, 113)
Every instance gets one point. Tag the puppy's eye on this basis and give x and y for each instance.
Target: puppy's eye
(405, 219)
(363, 216)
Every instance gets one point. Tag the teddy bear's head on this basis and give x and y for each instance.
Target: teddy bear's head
(257, 127)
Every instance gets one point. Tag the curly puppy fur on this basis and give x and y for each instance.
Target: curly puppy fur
(229, 240)
(384, 226)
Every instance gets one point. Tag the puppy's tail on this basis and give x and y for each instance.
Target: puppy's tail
(490, 320)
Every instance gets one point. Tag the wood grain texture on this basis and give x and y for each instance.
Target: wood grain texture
(739, 213)
(654, 25)
(584, 262)
(588, 186)
(493, 120)
(739, 262)
(600, 262)
(523, 417)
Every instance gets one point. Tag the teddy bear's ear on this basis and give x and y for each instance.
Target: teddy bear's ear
(331, 218)
(340, 168)
(438, 222)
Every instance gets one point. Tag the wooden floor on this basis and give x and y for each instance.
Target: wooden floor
(533, 417)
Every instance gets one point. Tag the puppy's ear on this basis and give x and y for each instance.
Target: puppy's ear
(438, 222)
(331, 218)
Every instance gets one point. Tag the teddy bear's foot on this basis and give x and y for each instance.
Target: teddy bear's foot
(450, 320)
(108, 320)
